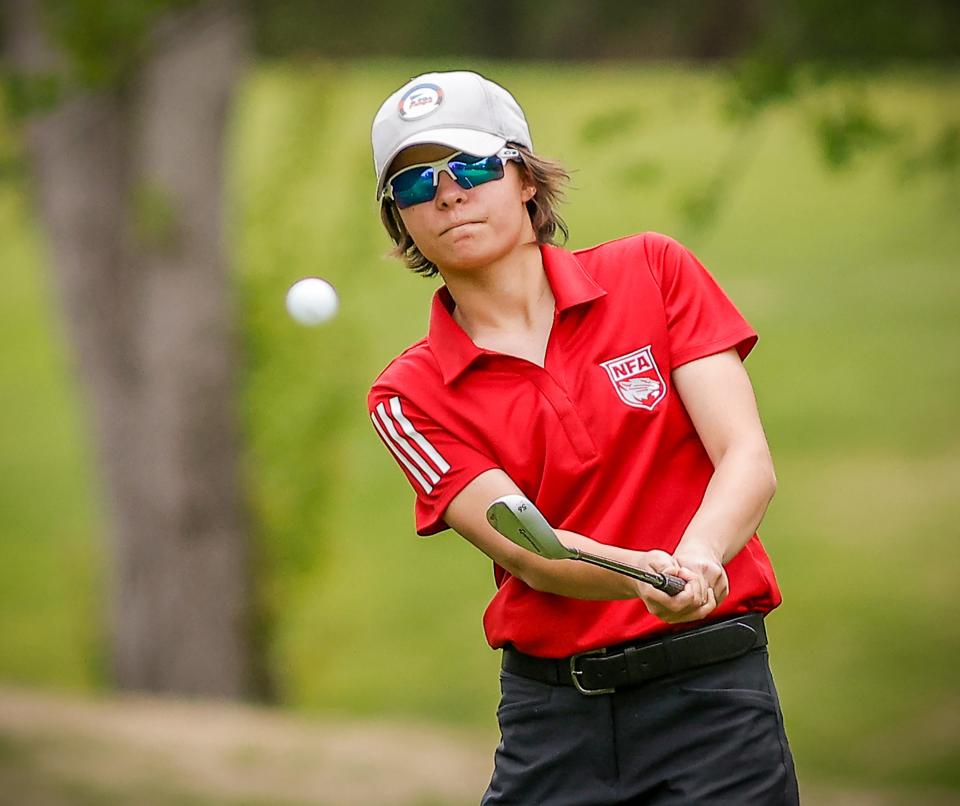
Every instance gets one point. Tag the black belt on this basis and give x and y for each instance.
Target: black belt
(602, 671)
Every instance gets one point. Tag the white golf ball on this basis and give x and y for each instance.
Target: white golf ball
(312, 301)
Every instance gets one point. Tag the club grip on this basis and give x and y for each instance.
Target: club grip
(671, 585)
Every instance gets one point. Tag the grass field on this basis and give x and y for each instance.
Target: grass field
(850, 278)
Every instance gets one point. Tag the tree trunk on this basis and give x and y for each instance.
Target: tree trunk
(129, 188)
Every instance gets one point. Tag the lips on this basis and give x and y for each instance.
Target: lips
(459, 224)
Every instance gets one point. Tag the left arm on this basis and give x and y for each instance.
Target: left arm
(718, 396)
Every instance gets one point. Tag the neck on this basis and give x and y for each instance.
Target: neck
(510, 294)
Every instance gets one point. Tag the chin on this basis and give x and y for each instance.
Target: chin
(470, 255)
(467, 258)
(466, 262)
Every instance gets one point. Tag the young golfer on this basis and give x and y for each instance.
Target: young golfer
(607, 386)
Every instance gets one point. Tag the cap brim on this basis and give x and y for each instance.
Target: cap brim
(482, 144)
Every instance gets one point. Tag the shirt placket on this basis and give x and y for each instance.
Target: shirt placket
(570, 421)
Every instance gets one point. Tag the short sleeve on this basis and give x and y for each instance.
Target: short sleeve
(437, 462)
(701, 318)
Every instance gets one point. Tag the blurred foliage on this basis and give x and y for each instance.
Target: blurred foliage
(609, 124)
(99, 44)
(788, 32)
(851, 129)
(28, 94)
(809, 46)
(940, 155)
(103, 41)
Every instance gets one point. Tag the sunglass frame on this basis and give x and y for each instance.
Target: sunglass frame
(505, 155)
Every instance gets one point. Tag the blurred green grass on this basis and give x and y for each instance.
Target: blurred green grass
(851, 280)
(50, 557)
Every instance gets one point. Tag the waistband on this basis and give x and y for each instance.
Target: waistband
(603, 671)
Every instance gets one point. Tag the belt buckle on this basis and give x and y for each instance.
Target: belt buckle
(575, 674)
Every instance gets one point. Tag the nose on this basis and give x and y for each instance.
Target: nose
(449, 193)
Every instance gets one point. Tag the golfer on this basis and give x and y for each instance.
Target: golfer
(606, 385)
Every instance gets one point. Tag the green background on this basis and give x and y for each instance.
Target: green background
(850, 278)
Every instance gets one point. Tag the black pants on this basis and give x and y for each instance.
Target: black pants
(712, 735)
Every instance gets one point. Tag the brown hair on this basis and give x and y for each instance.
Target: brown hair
(547, 176)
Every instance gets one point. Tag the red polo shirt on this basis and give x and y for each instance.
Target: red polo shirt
(598, 438)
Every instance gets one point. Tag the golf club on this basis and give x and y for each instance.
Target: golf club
(519, 520)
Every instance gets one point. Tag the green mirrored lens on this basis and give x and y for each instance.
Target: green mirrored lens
(413, 186)
(472, 171)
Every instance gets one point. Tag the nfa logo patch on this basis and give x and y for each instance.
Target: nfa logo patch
(637, 378)
(420, 100)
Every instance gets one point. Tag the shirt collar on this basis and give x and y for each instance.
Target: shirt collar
(453, 348)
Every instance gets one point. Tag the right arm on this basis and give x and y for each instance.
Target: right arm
(579, 580)
(436, 460)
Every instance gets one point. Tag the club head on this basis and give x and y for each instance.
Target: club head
(516, 518)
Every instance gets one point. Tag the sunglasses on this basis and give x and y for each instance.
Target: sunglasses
(416, 184)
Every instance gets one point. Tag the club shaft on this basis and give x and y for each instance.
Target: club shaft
(664, 582)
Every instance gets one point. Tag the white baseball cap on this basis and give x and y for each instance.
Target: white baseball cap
(461, 110)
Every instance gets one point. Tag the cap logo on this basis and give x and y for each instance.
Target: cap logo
(637, 379)
(420, 100)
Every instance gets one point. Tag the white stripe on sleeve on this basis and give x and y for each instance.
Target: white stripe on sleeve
(427, 487)
(415, 435)
(408, 449)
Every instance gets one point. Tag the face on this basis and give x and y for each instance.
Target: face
(461, 230)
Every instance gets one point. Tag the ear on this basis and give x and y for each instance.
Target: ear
(527, 192)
